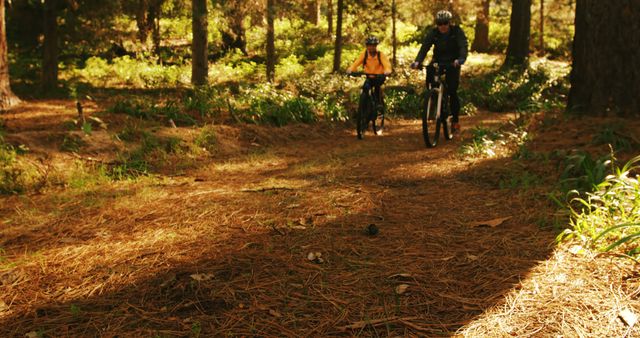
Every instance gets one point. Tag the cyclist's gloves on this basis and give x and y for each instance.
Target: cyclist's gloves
(414, 65)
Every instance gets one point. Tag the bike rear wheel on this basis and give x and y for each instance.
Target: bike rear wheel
(430, 119)
(378, 120)
(446, 119)
(362, 116)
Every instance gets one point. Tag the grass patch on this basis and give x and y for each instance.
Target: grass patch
(609, 217)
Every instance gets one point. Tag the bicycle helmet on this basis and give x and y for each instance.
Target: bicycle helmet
(372, 40)
(443, 17)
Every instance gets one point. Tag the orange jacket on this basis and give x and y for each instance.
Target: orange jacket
(372, 66)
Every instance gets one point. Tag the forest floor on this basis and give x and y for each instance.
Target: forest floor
(226, 245)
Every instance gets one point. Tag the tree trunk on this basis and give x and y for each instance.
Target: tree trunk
(313, 11)
(329, 17)
(337, 54)
(605, 78)
(481, 40)
(236, 38)
(394, 39)
(7, 98)
(271, 48)
(541, 40)
(141, 21)
(153, 21)
(199, 60)
(50, 46)
(519, 33)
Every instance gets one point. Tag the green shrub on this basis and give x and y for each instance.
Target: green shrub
(127, 71)
(207, 139)
(614, 134)
(17, 175)
(482, 142)
(582, 173)
(132, 107)
(609, 217)
(403, 103)
(520, 179)
(139, 108)
(207, 101)
(72, 143)
(277, 107)
(151, 153)
(538, 87)
(334, 109)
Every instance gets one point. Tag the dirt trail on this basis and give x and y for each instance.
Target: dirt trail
(224, 249)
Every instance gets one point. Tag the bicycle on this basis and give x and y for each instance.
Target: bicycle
(435, 110)
(369, 110)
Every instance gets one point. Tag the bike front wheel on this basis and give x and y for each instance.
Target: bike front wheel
(362, 116)
(430, 119)
(446, 119)
(378, 120)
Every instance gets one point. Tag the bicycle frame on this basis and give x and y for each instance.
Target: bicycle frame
(368, 111)
(438, 86)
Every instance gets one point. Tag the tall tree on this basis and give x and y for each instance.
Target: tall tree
(312, 11)
(541, 39)
(199, 60)
(519, 33)
(234, 33)
(605, 79)
(337, 54)
(271, 48)
(148, 20)
(394, 40)
(50, 45)
(7, 98)
(481, 38)
(329, 17)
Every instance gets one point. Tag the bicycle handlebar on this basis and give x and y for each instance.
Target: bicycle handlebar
(367, 74)
(437, 65)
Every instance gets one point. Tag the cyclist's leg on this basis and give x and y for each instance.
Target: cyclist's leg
(378, 90)
(431, 73)
(453, 81)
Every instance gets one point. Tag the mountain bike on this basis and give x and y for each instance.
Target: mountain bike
(369, 109)
(435, 108)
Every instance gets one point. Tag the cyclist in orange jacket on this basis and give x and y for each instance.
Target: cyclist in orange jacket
(373, 62)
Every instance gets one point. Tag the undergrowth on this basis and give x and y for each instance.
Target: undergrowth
(608, 218)
(539, 86)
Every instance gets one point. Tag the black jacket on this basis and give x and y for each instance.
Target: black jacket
(448, 47)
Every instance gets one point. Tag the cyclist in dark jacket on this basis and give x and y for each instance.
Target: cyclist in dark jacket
(450, 49)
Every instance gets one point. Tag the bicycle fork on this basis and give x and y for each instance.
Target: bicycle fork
(439, 104)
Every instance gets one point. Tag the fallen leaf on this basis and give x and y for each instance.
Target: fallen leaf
(576, 249)
(472, 257)
(628, 317)
(32, 334)
(3, 306)
(275, 313)
(201, 277)
(402, 288)
(400, 275)
(491, 223)
(311, 256)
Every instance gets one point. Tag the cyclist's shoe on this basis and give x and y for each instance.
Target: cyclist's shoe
(455, 127)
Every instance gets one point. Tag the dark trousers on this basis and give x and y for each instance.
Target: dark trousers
(375, 83)
(453, 81)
